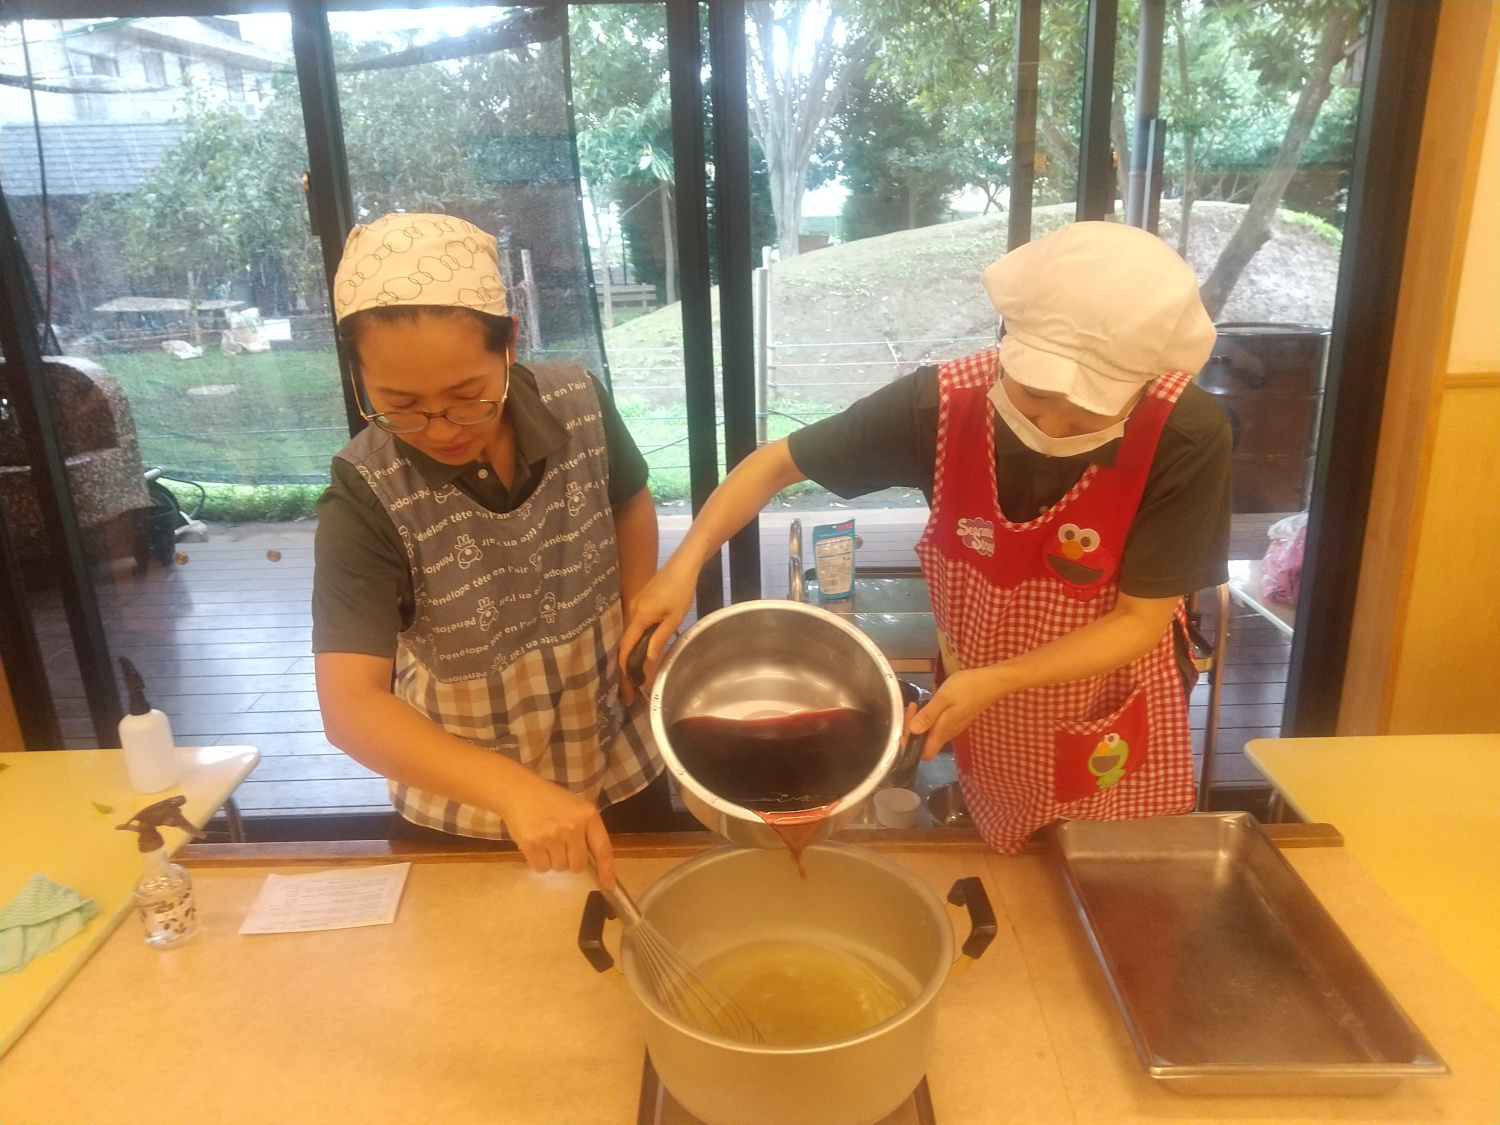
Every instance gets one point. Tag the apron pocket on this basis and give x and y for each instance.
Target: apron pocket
(1093, 757)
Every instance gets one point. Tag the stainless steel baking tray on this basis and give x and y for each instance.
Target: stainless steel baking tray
(1231, 976)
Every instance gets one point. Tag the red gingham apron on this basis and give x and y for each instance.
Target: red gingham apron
(1110, 747)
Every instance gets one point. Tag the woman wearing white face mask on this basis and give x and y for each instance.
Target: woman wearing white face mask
(1079, 487)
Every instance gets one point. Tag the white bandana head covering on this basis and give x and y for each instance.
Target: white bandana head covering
(1097, 310)
(407, 259)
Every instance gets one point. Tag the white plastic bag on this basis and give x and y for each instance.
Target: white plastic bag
(246, 332)
(181, 349)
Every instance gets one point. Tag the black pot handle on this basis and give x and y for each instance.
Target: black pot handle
(635, 667)
(970, 893)
(907, 761)
(904, 772)
(596, 912)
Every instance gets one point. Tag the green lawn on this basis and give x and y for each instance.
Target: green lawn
(285, 419)
(281, 423)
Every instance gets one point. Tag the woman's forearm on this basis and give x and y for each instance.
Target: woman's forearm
(1126, 633)
(636, 544)
(736, 502)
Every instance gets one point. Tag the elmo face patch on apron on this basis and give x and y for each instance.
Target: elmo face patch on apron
(1077, 556)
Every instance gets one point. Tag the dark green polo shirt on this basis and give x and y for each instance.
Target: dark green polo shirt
(1178, 543)
(362, 588)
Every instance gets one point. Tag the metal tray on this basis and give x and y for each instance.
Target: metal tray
(1231, 976)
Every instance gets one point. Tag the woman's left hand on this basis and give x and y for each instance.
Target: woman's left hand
(956, 704)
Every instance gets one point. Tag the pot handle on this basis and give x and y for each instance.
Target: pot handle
(635, 667)
(596, 912)
(970, 893)
(908, 760)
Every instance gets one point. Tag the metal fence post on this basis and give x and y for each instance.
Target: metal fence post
(731, 140)
(1023, 146)
(1096, 172)
(1144, 170)
(762, 293)
(330, 199)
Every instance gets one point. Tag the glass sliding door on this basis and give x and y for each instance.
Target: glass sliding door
(192, 373)
(154, 166)
(1253, 127)
(464, 111)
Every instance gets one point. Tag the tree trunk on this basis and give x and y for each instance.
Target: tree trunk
(1061, 146)
(1120, 139)
(1189, 174)
(609, 281)
(195, 332)
(786, 201)
(1255, 228)
(792, 94)
(669, 245)
(1189, 144)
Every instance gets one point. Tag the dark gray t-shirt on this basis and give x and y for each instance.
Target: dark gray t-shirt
(1178, 542)
(362, 587)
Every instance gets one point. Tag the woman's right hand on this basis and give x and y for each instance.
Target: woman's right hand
(664, 602)
(556, 830)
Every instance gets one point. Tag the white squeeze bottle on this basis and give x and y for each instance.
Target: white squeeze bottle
(146, 734)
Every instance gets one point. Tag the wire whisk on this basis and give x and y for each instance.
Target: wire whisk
(679, 984)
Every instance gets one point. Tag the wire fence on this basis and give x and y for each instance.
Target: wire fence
(649, 387)
(278, 418)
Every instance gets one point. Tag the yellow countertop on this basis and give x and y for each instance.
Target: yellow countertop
(475, 1006)
(1422, 813)
(51, 823)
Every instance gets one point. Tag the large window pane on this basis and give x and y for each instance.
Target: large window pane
(1257, 112)
(157, 186)
(623, 116)
(464, 111)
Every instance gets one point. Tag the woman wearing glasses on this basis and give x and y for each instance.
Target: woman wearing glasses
(474, 552)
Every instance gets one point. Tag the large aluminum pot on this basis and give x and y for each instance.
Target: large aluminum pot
(761, 658)
(851, 898)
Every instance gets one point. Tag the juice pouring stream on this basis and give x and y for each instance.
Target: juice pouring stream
(790, 770)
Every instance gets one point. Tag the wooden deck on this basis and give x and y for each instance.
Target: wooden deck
(223, 641)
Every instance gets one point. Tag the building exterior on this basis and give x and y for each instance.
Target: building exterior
(111, 98)
(130, 70)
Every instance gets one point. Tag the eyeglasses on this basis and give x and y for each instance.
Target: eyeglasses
(474, 413)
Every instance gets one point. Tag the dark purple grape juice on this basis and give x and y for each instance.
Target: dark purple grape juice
(787, 763)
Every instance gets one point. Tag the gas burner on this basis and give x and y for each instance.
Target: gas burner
(658, 1107)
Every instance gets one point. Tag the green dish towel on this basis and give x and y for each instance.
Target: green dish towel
(42, 916)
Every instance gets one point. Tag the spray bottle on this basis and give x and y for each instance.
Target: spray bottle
(146, 734)
(164, 892)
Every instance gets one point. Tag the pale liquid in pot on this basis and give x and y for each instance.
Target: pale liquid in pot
(802, 992)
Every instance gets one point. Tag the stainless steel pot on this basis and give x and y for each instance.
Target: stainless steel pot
(851, 898)
(761, 658)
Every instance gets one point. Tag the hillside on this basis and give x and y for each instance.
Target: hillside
(849, 317)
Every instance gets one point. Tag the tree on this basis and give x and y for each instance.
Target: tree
(1196, 96)
(622, 110)
(798, 76)
(1274, 50)
(893, 157)
(624, 148)
(224, 202)
(958, 59)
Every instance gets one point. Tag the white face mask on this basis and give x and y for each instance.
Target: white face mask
(1048, 446)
